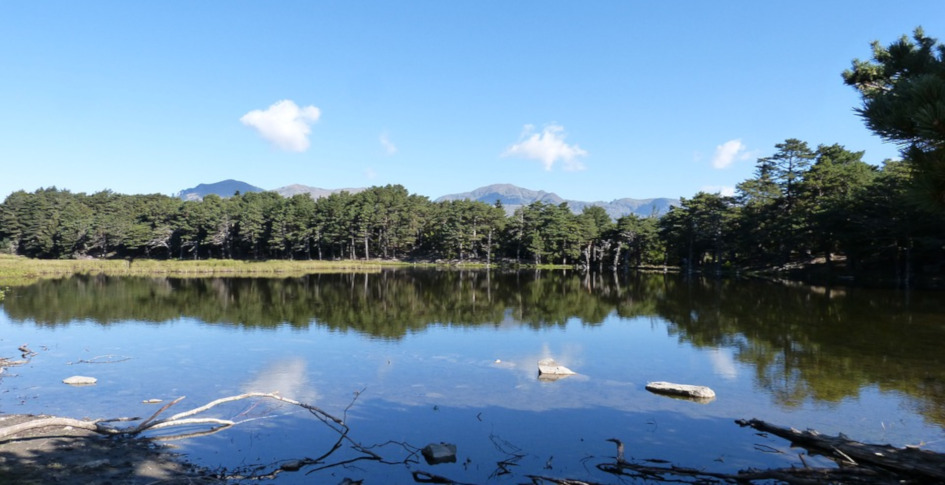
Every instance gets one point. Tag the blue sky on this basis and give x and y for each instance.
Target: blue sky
(590, 100)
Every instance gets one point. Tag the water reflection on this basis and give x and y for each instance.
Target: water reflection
(802, 343)
(288, 377)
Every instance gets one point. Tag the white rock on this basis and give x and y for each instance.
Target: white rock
(549, 366)
(80, 381)
(701, 393)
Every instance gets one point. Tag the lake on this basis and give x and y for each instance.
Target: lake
(410, 357)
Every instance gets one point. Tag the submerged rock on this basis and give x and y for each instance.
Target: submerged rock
(80, 381)
(699, 393)
(436, 453)
(549, 369)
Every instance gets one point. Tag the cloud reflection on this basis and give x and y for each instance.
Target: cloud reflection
(287, 377)
(723, 364)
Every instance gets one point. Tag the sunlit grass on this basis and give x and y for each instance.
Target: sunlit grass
(18, 271)
(21, 271)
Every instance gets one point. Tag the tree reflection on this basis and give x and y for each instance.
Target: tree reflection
(804, 343)
(808, 343)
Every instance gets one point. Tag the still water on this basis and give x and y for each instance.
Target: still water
(409, 358)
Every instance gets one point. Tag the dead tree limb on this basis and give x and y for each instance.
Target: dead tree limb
(908, 461)
(51, 421)
(180, 419)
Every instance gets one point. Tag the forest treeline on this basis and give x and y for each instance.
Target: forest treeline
(803, 205)
(380, 222)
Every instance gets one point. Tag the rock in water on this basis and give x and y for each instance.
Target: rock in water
(436, 453)
(700, 393)
(80, 381)
(551, 368)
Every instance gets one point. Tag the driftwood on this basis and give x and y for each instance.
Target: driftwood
(187, 418)
(907, 462)
(859, 463)
(104, 426)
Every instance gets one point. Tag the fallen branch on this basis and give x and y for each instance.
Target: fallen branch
(679, 474)
(50, 422)
(908, 461)
(180, 419)
(859, 464)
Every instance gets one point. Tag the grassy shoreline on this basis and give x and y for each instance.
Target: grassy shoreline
(18, 270)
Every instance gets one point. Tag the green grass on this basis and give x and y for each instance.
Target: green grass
(17, 270)
(21, 271)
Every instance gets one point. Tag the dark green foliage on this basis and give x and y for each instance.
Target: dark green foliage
(837, 212)
(698, 232)
(903, 91)
(380, 222)
(801, 206)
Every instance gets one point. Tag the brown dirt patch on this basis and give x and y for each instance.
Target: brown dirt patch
(70, 456)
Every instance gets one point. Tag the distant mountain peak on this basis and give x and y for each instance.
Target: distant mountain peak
(223, 188)
(513, 197)
(313, 192)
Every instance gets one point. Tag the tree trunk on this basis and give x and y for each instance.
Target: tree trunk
(489, 249)
(617, 257)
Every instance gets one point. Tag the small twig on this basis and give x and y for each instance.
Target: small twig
(159, 411)
(194, 434)
(845, 456)
(425, 477)
(94, 361)
(767, 449)
(190, 421)
(619, 444)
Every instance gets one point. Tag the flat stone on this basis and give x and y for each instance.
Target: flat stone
(80, 381)
(550, 367)
(436, 453)
(701, 393)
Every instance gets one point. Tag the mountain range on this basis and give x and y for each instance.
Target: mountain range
(224, 188)
(512, 197)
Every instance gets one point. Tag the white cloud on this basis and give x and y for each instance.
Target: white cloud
(389, 147)
(370, 173)
(547, 147)
(729, 152)
(284, 124)
(722, 190)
